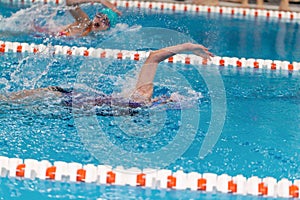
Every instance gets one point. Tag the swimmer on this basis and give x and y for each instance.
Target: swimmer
(83, 25)
(140, 97)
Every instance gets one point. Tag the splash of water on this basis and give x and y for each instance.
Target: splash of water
(27, 19)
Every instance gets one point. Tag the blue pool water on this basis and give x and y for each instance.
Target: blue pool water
(28, 189)
(261, 126)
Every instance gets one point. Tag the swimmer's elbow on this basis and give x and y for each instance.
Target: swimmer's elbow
(152, 55)
(155, 57)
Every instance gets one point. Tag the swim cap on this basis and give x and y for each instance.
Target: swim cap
(111, 15)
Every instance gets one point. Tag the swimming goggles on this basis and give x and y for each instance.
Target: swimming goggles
(104, 20)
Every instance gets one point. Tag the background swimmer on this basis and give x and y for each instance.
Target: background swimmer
(83, 25)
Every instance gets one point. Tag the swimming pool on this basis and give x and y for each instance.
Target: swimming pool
(261, 106)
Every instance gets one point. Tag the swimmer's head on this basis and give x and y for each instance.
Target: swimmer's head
(104, 20)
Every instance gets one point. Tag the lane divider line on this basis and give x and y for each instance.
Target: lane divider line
(148, 178)
(184, 7)
(273, 65)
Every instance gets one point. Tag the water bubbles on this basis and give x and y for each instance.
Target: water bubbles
(4, 84)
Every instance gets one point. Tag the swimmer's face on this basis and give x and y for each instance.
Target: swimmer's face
(100, 22)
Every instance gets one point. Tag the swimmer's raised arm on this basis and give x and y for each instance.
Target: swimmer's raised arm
(106, 3)
(79, 15)
(144, 86)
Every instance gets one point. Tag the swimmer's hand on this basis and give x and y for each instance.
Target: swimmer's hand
(201, 51)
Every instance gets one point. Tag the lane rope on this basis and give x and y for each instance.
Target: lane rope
(273, 65)
(148, 178)
(184, 7)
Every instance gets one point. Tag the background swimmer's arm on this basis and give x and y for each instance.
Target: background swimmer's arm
(79, 15)
(106, 3)
(144, 87)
